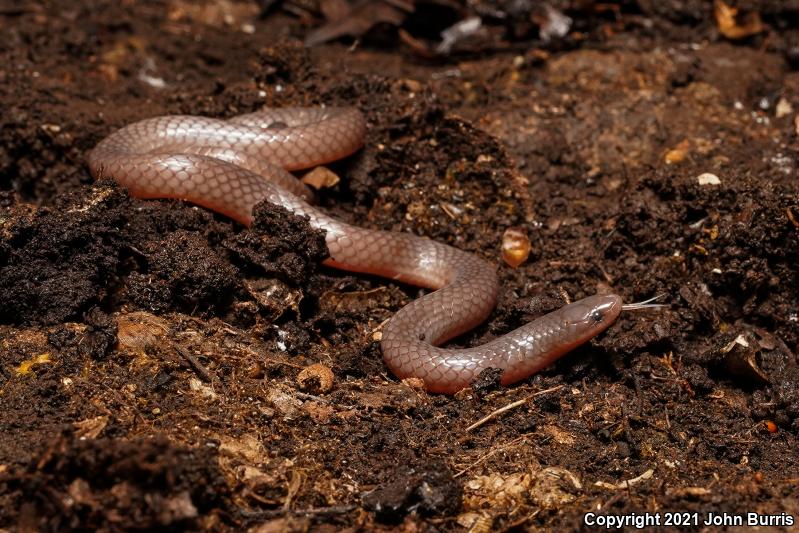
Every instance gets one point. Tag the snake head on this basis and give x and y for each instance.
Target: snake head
(593, 314)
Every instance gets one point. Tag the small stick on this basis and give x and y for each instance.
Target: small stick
(511, 406)
(491, 453)
(269, 513)
(195, 364)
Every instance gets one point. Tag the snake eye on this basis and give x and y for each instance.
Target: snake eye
(597, 316)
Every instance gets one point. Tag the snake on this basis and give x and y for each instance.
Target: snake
(230, 165)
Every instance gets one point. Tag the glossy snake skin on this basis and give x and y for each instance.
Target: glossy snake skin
(231, 165)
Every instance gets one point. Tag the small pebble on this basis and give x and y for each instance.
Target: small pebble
(783, 109)
(414, 383)
(515, 247)
(678, 153)
(708, 179)
(321, 178)
(284, 403)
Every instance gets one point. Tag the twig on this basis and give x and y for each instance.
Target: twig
(195, 364)
(336, 509)
(511, 406)
(490, 453)
(627, 483)
(312, 397)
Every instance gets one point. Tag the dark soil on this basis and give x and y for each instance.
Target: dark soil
(151, 352)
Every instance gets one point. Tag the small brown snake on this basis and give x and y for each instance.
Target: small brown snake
(231, 165)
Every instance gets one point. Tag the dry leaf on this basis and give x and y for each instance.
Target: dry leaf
(358, 19)
(733, 25)
(91, 427)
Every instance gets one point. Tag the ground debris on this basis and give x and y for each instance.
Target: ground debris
(428, 489)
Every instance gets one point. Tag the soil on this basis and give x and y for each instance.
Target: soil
(162, 366)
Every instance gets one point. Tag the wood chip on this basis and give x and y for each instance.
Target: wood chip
(624, 485)
(321, 178)
(736, 25)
